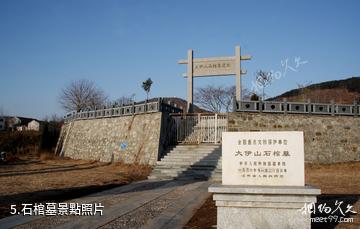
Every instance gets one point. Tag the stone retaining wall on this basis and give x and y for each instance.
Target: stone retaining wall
(327, 139)
(128, 139)
(144, 138)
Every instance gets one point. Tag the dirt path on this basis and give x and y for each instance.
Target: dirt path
(146, 204)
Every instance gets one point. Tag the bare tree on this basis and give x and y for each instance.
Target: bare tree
(254, 97)
(304, 90)
(124, 100)
(216, 98)
(263, 79)
(146, 85)
(55, 118)
(80, 95)
(2, 113)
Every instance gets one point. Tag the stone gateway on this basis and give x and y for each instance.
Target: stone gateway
(216, 66)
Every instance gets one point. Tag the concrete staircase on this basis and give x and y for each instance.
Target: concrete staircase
(202, 162)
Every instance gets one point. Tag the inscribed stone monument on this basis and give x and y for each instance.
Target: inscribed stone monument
(263, 181)
(263, 158)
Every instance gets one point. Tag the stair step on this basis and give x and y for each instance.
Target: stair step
(194, 153)
(195, 149)
(176, 166)
(212, 157)
(210, 160)
(189, 159)
(198, 146)
(203, 154)
(151, 177)
(201, 162)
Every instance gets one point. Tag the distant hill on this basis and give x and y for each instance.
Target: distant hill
(341, 91)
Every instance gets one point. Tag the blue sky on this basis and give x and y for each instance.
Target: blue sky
(44, 45)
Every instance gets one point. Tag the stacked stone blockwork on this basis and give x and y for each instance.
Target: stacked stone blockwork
(129, 139)
(327, 139)
(144, 138)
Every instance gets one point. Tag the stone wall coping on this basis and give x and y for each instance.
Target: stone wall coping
(124, 110)
(286, 107)
(264, 190)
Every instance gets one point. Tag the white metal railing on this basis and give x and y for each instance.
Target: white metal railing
(123, 110)
(199, 128)
(285, 107)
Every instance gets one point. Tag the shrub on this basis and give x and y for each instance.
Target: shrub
(19, 141)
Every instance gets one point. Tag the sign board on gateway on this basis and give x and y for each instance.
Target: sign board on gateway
(263, 158)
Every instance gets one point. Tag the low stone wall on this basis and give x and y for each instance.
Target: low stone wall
(129, 139)
(327, 139)
(144, 138)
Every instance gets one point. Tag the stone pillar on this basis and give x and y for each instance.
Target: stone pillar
(355, 111)
(235, 104)
(332, 107)
(271, 207)
(285, 105)
(190, 80)
(238, 72)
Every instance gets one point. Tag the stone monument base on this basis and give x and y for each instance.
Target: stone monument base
(260, 207)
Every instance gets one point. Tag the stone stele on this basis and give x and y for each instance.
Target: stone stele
(263, 182)
(263, 158)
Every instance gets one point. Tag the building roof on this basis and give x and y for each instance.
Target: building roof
(23, 120)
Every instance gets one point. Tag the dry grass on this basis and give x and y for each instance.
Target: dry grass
(53, 173)
(58, 179)
(341, 180)
(45, 156)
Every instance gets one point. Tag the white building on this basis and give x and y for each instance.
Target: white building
(12, 123)
(21, 128)
(33, 125)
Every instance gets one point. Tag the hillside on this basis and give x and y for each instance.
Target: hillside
(341, 91)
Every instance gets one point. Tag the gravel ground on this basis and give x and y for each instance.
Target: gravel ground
(138, 217)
